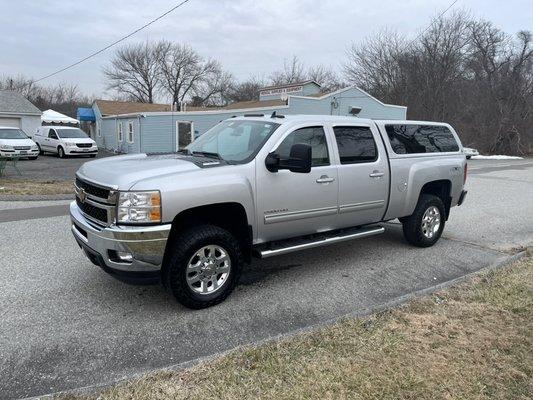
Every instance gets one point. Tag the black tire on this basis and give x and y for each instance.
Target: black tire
(184, 248)
(60, 152)
(33, 158)
(92, 155)
(41, 152)
(412, 225)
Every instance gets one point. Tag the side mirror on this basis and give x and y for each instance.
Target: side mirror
(299, 160)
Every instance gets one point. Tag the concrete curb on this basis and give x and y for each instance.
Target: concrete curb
(36, 197)
(88, 390)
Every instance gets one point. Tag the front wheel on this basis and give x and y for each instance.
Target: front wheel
(204, 267)
(60, 152)
(424, 227)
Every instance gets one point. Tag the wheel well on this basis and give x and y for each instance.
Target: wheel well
(441, 188)
(229, 216)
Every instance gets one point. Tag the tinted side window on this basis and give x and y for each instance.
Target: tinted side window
(52, 134)
(356, 144)
(313, 136)
(409, 139)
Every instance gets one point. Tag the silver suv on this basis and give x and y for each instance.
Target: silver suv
(259, 186)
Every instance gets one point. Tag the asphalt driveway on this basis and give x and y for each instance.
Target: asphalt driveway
(65, 324)
(51, 167)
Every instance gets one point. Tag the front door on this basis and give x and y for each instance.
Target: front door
(363, 175)
(292, 204)
(52, 141)
(184, 134)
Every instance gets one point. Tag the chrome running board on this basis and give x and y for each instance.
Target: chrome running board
(323, 240)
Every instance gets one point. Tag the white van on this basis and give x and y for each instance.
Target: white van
(64, 141)
(15, 144)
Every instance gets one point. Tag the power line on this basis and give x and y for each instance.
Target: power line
(112, 44)
(430, 25)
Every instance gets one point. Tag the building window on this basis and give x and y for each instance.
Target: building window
(356, 144)
(130, 132)
(120, 134)
(98, 129)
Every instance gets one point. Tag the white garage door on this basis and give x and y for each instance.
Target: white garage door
(11, 122)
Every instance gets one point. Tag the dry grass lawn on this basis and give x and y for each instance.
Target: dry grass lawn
(24, 187)
(473, 341)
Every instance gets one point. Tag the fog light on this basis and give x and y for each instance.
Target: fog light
(124, 256)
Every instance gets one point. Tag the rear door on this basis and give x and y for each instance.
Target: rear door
(363, 174)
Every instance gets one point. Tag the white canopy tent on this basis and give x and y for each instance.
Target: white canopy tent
(54, 117)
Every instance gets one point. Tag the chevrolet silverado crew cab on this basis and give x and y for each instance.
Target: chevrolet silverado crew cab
(260, 186)
(64, 141)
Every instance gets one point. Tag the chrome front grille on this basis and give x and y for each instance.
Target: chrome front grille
(98, 191)
(84, 145)
(100, 214)
(22, 147)
(96, 202)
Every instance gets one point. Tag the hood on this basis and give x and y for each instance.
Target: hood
(17, 142)
(122, 172)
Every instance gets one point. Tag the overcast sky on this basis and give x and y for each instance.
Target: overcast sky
(247, 37)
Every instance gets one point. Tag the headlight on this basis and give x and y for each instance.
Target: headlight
(70, 144)
(139, 207)
(6, 147)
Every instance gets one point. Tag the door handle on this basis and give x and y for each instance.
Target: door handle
(376, 174)
(325, 179)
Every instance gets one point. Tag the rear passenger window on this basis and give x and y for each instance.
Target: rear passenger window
(313, 136)
(409, 139)
(356, 144)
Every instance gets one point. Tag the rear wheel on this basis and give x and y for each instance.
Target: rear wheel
(60, 152)
(424, 227)
(204, 267)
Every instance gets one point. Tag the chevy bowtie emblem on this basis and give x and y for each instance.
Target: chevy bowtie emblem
(82, 195)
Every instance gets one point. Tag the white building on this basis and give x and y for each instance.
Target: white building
(17, 111)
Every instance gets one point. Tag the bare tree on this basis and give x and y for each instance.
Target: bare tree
(185, 74)
(328, 80)
(459, 70)
(247, 90)
(134, 71)
(292, 72)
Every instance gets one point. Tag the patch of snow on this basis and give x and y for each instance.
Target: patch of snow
(496, 158)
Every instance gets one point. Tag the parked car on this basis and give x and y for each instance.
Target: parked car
(469, 152)
(64, 141)
(15, 144)
(257, 186)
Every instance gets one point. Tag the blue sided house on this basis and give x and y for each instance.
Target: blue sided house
(129, 127)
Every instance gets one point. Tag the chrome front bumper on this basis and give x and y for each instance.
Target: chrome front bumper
(146, 244)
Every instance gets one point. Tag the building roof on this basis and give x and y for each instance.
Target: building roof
(111, 107)
(289, 85)
(14, 103)
(242, 105)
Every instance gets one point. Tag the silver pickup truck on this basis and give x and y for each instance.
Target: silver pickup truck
(260, 186)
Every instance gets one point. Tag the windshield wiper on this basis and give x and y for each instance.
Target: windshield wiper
(207, 154)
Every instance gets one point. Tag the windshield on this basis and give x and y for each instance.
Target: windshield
(234, 140)
(71, 133)
(12, 134)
